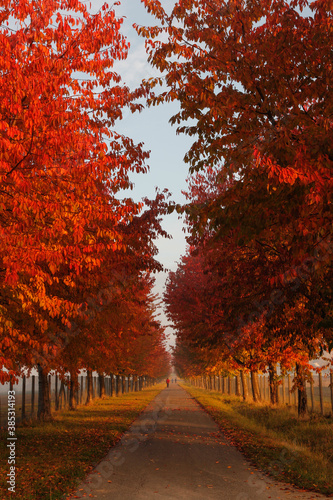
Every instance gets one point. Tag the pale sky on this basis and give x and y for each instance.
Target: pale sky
(167, 169)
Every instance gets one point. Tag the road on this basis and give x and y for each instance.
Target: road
(174, 450)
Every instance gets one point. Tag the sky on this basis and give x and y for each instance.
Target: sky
(151, 126)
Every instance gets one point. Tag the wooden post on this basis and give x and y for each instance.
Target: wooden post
(284, 390)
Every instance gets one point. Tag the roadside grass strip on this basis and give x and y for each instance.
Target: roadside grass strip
(52, 457)
(274, 439)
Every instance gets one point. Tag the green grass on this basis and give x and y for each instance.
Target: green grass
(298, 451)
(52, 457)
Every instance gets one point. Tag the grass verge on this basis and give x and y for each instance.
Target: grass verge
(52, 457)
(296, 451)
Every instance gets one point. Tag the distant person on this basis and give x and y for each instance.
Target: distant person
(175, 381)
(172, 380)
(167, 382)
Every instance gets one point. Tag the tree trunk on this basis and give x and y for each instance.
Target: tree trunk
(117, 385)
(101, 385)
(255, 386)
(23, 397)
(62, 395)
(312, 393)
(301, 389)
(273, 384)
(44, 406)
(89, 386)
(244, 386)
(73, 384)
(112, 388)
(238, 385)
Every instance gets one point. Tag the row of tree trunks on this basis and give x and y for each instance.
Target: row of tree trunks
(241, 386)
(117, 385)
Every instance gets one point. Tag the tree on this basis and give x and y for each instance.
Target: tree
(62, 168)
(252, 80)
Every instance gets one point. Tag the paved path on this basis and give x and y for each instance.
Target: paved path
(174, 450)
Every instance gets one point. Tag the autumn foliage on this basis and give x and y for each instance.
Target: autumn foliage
(252, 80)
(75, 254)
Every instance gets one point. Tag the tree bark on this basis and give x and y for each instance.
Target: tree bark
(73, 384)
(301, 389)
(112, 385)
(255, 386)
(244, 386)
(101, 385)
(238, 385)
(273, 384)
(89, 386)
(312, 393)
(44, 404)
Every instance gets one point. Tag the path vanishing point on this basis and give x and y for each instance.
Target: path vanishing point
(174, 450)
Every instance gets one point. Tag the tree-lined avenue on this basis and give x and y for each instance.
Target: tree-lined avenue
(175, 450)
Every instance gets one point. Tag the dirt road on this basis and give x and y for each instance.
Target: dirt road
(174, 450)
